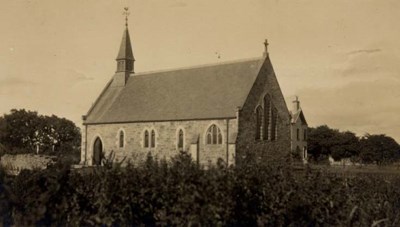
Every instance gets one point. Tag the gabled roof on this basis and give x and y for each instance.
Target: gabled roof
(204, 92)
(299, 115)
(125, 50)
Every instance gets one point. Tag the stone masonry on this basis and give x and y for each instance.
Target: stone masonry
(166, 140)
(266, 83)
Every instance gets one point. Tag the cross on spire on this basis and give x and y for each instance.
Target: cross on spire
(126, 13)
(125, 57)
(266, 45)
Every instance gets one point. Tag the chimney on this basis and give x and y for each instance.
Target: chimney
(296, 105)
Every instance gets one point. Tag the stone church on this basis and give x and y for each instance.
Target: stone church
(214, 112)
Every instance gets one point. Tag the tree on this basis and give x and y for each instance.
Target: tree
(320, 140)
(2, 135)
(27, 131)
(20, 129)
(62, 134)
(324, 141)
(346, 146)
(379, 149)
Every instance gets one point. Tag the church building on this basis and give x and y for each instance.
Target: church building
(214, 112)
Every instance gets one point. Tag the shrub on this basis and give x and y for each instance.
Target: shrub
(180, 192)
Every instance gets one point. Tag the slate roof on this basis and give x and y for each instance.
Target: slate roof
(125, 50)
(297, 115)
(204, 92)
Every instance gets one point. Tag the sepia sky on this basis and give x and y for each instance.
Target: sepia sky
(342, 58)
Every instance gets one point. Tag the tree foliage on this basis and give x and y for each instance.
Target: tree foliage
(379, 149)
(25, 131)
(20, 129)
(346, 145)
(180, 193)
(324, 141)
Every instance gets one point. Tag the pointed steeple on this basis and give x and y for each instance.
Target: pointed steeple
(125, 59)
(125, 50)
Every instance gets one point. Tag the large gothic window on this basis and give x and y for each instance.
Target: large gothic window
(270, 127)
(259, 122)
(121, 139)
(214, 135)
(180, 139)
(267, 117)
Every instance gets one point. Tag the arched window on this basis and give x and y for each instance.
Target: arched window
(146, 139)
(180, 139)
(304, 152)
(214, 135)
(121, 139)
(97, 151)
(274, 116)
(276, 124)
(153, 138)
(298, 151)
(259, 121)
(267, 117)
(209, 138)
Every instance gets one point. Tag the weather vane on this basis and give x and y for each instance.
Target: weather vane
(126, 13)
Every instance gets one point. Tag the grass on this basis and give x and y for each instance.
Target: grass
(366, 169)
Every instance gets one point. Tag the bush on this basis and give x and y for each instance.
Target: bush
(180, 192)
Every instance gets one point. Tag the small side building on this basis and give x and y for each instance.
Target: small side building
(298, 132)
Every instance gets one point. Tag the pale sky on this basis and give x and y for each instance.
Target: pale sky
(341, 57)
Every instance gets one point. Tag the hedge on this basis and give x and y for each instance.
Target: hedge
(180, 193)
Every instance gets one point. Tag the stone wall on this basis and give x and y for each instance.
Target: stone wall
(299, 141)
(15, 163)
(266, 83)
(166, 134)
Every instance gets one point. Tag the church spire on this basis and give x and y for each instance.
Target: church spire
(125, 59)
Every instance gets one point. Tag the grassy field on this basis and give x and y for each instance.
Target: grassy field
(355, 170)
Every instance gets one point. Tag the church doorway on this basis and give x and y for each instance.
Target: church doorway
(97, 151)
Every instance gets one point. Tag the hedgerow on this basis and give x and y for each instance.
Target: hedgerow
(179, 192)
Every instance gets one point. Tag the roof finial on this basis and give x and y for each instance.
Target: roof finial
(296, 104)
(126, 13)
(266, 48)
(266, 45)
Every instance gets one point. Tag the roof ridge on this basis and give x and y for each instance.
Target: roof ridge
(197, 66)
(136, 101)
